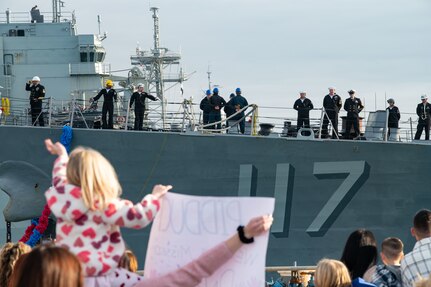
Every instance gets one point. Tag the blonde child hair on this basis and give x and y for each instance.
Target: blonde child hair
(96, 177)
(128, 261)
(332, 273)
(9, 254)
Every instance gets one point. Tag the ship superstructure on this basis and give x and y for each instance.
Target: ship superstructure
(49, 46)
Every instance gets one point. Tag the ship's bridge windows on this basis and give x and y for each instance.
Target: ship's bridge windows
(16, 33)
(91, 54)
(100, 56)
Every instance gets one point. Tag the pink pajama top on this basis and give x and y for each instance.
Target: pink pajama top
(93, 236)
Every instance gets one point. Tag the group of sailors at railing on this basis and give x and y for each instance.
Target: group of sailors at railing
(236, 111)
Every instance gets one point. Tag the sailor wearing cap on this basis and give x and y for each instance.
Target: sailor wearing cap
(205, 106)
(393, 117)
(303, 105)
(239, 102)
(332, 104)
(109, 95)
(353, 106)
(37, 93)
(217, 103)
(423, 111)
(138, 98)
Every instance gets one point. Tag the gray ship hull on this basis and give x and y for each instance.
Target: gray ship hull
(324, 189)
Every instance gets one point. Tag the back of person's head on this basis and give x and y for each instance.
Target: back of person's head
(331, 273)
(97, 178)
(392, 248)
(9, 255)
(48, 265)
(421, 224)
(360, 252)
(128, 261)
(424, 282)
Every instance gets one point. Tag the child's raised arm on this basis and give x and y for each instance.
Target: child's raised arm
(124, 213)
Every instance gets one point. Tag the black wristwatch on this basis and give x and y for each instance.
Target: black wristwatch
(242, 237)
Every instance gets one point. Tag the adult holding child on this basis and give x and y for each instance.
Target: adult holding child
(85, 200)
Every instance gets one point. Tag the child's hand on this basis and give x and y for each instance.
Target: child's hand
(55, 149)
(160, 190)
(258, 225)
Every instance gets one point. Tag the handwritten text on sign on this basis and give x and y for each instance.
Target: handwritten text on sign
(187, 226)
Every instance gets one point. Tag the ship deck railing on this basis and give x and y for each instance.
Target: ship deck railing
(185, 116)
(25, 17)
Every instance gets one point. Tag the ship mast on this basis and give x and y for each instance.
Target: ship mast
(56, 10)
(158, 62)
(153, 64)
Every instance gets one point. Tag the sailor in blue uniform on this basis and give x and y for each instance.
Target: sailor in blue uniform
(303, 105)
(332, 104)
(217, 103)
(423, 111)
(205, 106)
(109, 95)
(393, 117)
(353, 106)
(238, 102)
(138, 98)
(37, 93)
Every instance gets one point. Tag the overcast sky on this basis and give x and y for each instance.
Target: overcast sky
(272, 49)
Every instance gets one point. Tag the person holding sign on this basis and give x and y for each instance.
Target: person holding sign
(209, 262)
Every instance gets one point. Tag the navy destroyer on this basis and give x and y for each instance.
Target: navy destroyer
(324, 189)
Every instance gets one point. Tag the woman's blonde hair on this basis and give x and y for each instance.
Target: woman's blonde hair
(9, 254)
(332, 273)
(97, 178)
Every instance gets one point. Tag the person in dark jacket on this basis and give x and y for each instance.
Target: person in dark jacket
(109, 95)
(229, 109)
(138, 98)
(205, 106)
(303, 105)
(353, 106)
(332, 104)
(217, 103)
(393, 117)
(37, 94)
(239, 102)
(423, 111)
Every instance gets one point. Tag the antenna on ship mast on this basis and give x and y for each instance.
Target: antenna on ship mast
(209, 77)
(158, 69)
(56, 10)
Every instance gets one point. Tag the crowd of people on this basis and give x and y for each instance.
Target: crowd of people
(360, 256)
(89, 249)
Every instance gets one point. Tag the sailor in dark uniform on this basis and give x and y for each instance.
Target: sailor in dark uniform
(138, 98)
(109, 95)
(303, 105)
(239, 102)
(332, 104)
(393, 117)
(353, 106)
(37, 93)
(205, 106)
(217, 103)
(423, 111)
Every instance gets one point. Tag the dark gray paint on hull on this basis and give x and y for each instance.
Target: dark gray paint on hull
(385, 202)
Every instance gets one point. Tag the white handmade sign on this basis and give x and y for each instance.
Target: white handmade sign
(186, 226)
